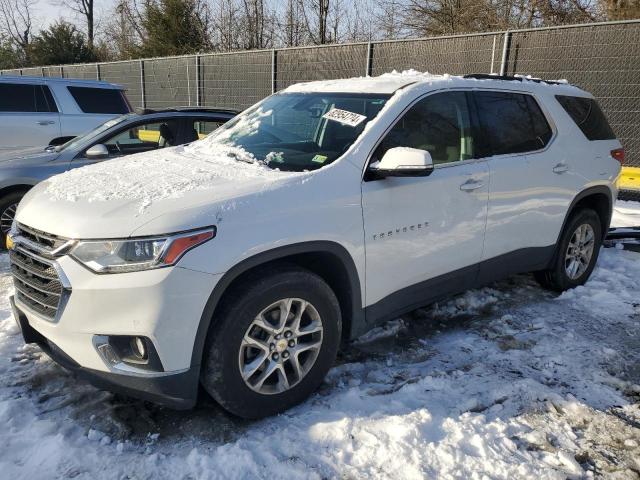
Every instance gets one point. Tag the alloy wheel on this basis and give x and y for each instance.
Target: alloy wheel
(280, 346)
(579, 251)
(6, 218)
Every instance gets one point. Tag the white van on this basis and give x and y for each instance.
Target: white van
(37, 111)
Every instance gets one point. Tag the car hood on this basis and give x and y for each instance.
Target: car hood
(34, 154)
(152, 193)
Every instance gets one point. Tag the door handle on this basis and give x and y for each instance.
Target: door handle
(45, 122)
(560, 168)
(471, 185)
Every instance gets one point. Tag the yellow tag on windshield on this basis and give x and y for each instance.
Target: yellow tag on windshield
(319, 159)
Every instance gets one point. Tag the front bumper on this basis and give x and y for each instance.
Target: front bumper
(178, 390)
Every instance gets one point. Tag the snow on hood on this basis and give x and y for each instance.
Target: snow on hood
(160, 174)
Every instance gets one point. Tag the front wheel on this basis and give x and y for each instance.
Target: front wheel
(272, 343)
(577, 253)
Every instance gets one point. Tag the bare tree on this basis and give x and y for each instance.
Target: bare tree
(226, 15)
(16, 23)
(387, 18)
(84, 8)
(358, 21)
(316, 15)
(254, 17)
(293, 25)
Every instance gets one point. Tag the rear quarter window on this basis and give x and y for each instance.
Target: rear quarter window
(588, 116)
(512, 123)
(99, 100)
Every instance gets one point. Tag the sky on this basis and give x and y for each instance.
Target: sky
(48, 11)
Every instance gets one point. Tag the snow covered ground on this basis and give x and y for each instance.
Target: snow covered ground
(504, 382)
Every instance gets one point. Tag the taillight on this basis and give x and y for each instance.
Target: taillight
(618, 154)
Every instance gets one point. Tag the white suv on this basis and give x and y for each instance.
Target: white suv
(243, 260)
(36, 112)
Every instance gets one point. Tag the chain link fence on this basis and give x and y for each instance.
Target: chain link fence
(603, 58)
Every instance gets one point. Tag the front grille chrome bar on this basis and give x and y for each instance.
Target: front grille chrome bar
(44, 244)
(41, 285)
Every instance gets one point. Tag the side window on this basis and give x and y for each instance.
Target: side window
(46, 102)
(540, 126)
(439, 124)
(143, 138)
(201, 128)
(15, 97)
(512, 122)
(99, 100)
(588, 116)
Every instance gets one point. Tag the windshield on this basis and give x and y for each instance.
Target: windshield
(80, 141)
(301, 131)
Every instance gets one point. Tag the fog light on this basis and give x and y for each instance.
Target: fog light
(139, 348)
(125, 352)
(108, 353)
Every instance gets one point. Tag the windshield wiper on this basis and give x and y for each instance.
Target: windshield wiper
(239, 159)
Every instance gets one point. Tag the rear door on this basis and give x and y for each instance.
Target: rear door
(531, 183)
(91, 107)
(424, 235)
(28, 116)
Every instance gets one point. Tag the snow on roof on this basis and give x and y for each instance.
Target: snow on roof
(386, 83)
(389, 83)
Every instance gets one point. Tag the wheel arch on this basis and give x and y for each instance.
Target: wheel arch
(330, 260)
(598, 198)
(19, 187)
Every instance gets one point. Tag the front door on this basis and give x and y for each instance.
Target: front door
(424, 235)
(138, 138)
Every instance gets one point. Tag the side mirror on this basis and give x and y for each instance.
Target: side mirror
(404, 162)
(96, 152)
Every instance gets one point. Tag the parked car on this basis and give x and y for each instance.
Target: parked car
(37, 111)
(126, 134)
(312, 217)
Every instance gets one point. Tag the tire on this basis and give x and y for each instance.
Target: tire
(563, 275)
(8, 205)
(235, 329)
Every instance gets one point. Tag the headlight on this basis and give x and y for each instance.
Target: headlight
(132, 255)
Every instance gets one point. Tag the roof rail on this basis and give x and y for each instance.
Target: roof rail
(148, 111)
(509, 78)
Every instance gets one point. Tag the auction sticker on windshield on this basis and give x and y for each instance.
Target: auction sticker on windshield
(344, 116)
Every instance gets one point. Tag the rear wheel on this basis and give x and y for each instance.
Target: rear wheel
(8, 207)
(577, 253)
(272, 342)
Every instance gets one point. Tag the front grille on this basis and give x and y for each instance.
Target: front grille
(37, 282)
(44, 242)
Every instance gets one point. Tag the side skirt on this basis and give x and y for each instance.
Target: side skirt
(443, 286)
